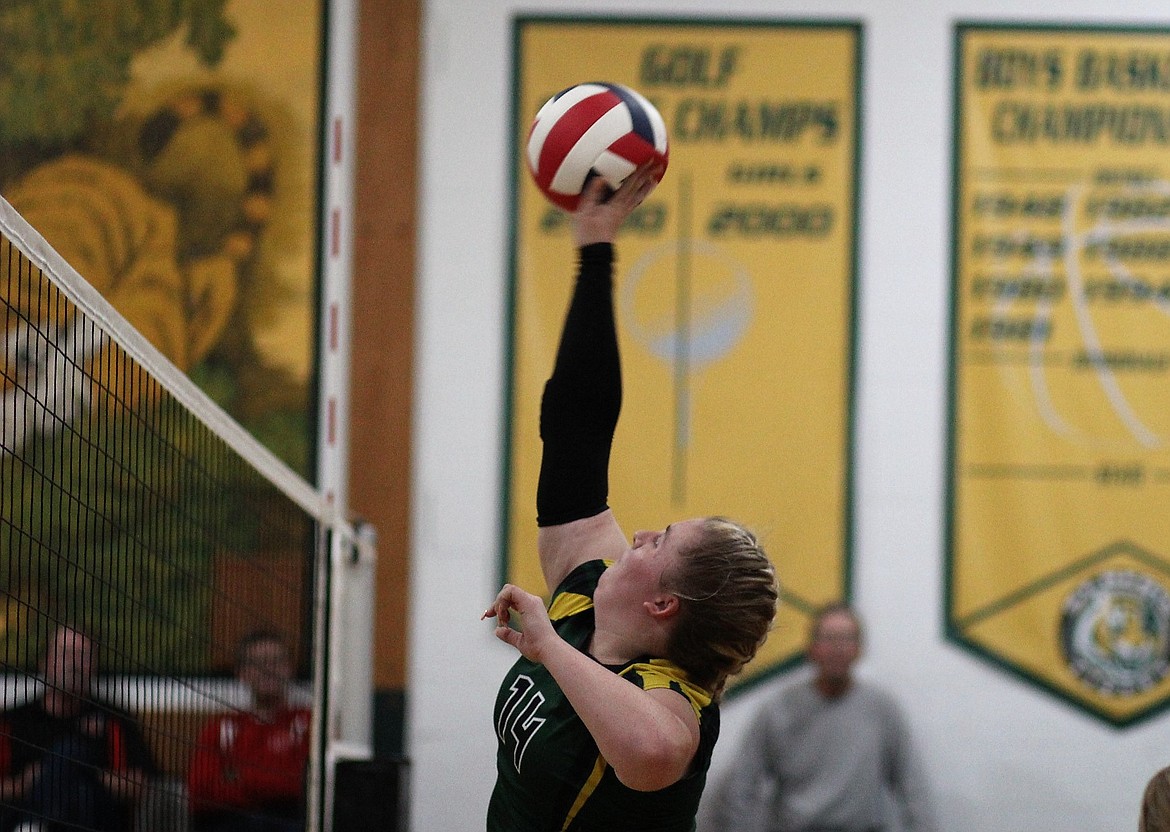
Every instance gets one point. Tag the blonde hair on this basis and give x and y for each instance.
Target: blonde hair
(727, 589)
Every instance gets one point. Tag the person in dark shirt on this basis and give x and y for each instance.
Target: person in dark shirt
(67, 759)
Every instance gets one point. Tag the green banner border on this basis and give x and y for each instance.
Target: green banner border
(953, 627)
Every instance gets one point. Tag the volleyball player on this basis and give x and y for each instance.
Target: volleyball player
(608, 718)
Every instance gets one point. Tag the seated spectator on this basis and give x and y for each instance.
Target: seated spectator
(829, 752)
(248, 770)
(67, 759)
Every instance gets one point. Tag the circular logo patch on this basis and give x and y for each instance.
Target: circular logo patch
(1115, 630)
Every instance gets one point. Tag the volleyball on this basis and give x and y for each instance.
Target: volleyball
(593, 129)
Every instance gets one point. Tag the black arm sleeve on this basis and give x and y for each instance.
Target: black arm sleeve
(582, 399)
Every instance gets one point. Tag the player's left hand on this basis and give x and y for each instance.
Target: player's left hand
(536, 631)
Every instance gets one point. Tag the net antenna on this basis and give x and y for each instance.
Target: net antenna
(141, 522)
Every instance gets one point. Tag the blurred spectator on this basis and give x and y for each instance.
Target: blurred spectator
(248, 770)
(829, 754)
(67, 759)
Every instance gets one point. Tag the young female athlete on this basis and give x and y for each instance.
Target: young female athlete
(608, 718)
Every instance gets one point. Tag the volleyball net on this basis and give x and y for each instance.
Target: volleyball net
(144, 536)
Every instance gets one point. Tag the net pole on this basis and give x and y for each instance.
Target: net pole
(344, 680)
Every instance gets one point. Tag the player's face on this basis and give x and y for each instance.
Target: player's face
(637, 575)
(836, 646)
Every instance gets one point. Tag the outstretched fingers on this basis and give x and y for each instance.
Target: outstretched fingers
(643, 180)
(501, 607)
(600, 213)
(536, 631)
(637, 186)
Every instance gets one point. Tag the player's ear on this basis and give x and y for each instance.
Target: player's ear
(662, 606)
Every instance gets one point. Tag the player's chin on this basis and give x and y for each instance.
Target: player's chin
(602, 585)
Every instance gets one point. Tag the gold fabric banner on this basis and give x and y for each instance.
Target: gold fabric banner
(1059, 562)
(746, 253)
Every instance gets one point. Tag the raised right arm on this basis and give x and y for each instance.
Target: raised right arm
(578, 414)
(582, 398)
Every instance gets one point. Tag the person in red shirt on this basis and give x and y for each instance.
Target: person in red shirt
(247, 772)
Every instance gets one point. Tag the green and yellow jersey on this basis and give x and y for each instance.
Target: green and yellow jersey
(550, 775)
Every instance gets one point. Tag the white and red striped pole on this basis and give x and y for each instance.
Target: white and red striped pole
(343, 682)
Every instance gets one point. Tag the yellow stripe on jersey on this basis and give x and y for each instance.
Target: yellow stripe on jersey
(659, 673)
(586, 790)
(568, 603)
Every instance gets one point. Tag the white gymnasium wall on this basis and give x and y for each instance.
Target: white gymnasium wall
(1002, 756)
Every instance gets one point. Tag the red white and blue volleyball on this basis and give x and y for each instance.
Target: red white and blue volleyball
(593, 129)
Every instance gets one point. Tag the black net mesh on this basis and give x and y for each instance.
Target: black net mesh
(137, 550)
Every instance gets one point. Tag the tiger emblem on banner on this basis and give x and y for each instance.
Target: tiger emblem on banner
(1115, 631)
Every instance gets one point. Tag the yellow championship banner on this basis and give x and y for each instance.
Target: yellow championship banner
(1059, 550)
(734, 291)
